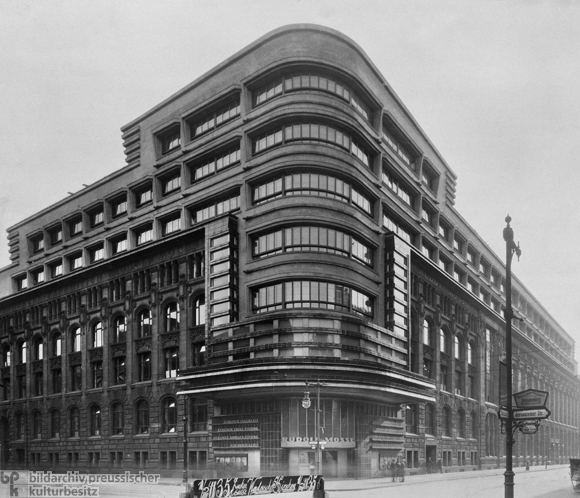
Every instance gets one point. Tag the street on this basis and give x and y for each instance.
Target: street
(538, 482)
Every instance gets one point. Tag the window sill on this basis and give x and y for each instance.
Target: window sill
(141, 436)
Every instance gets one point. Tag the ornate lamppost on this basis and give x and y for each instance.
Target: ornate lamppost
(319, 445)
(511, 249)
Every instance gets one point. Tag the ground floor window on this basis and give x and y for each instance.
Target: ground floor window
(461, 458)
(168, 459)
(197, 460)
(233, 462)
(116, 458)
(412, 459)
(141, 459)
(446, 458)
(474, 458)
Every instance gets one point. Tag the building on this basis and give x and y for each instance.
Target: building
(282, 220)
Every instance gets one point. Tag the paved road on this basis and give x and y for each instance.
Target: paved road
(553, 482)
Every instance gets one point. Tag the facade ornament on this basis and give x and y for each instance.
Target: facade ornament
(63, 321)
(105, 308)
(153, 295)
(45, 327)
(437, 317)
(83, 314)
(129, 304)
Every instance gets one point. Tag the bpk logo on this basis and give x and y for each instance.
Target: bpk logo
(9, 479)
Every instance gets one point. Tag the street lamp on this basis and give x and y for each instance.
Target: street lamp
(319, 445)
(510, 249)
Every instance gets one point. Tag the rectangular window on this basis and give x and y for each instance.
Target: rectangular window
(215, 118)
(402, 192)
(96, 253)
(208, 167)
(38, 276)
(75, 261)
(56, 381)
(75, 378)
(55, 269)
(55, 235)
(170, 226)
(170, 139)
(171, 183)
(215, 209)
(37, 243)
(75, 227)
(119, 245)
(96, 374)
(96, 217)
(118, 370)
(143, 196)
(21, 282)
(119, 207)
(144, 235)
(144, 366)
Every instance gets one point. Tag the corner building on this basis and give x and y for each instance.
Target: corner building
(281, 220)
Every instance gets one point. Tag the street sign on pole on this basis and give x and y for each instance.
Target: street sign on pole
(529, 428)
(531, 398)
(503, 413)
(531, 414)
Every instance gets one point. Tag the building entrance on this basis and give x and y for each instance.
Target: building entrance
(431, 457)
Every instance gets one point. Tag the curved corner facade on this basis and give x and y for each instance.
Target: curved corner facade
(283, 235)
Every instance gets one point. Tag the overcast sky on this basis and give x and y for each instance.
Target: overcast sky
(494, 84)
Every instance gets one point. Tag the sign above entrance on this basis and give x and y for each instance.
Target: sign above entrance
(306, 442)
(531, 398)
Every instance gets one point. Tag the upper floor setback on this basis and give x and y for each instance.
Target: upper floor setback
(298, 85)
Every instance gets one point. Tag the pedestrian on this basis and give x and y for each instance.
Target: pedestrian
(439, 466)
(528, 465)
(393, 469)
(398, 469)
(403, 465)
(429, 465)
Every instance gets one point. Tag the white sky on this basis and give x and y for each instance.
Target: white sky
(494, 84)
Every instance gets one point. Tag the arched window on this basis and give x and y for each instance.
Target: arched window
(119, 329)
(446, 421)
(38, 348)
(74, 422)
(142, 417)
(6, 355)
(97, 339)
(474, 426)
(199, 310)
(118, 418)
(75, 339)
(56, 344)
(169, 415)
(171, 317)
(95, 420)
(461, 423)
(54, 423)
(36, 425)
(144, 323)
(430, 420)
(22, 352)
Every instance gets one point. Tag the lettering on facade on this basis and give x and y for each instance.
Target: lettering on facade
(305, 442)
